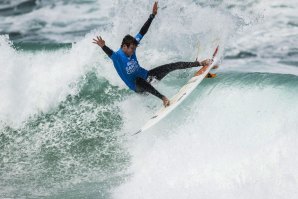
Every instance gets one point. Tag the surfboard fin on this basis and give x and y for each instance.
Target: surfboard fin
(211, 75)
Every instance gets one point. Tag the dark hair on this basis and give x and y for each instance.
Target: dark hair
(128, 39)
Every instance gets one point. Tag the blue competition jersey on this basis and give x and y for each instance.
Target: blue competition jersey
(128, 68)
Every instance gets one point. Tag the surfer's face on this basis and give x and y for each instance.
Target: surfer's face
(129, 50)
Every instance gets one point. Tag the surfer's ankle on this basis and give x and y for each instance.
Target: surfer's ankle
(166, 101)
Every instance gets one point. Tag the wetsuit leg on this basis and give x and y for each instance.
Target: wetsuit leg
(161, 71)
(143, 86)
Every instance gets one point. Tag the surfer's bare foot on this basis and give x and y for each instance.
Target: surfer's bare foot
(206, 62)
(166, 101)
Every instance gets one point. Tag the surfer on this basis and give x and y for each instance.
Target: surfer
(127, 66)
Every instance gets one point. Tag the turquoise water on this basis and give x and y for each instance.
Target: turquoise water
(66, 116)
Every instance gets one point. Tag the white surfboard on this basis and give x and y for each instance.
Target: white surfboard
(180, 96)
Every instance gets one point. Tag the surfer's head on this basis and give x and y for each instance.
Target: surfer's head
(129, 45)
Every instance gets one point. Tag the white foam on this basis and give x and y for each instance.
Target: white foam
(245, 150)
(33, 82)
(37, 81)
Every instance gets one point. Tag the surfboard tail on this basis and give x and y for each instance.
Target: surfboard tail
(201, 71)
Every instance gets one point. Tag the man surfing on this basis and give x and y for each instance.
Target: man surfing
(137, 78)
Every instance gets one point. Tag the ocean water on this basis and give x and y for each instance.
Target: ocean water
(66, 116)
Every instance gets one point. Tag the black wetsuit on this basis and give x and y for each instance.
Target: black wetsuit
(159, 73)
(142, 84)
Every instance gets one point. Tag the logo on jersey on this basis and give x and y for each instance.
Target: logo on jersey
(132, 66)
(138, 39)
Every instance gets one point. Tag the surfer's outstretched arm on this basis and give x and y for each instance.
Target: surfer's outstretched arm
(147, 24)
(107, 50)
(99, 41)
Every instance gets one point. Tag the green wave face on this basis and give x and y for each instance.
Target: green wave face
(76, 142)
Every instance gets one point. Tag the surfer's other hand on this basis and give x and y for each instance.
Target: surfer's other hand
(166, 101)
(206, 62)
(99, 41)
(155, 8)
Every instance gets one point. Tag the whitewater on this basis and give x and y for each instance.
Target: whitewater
(66, 117)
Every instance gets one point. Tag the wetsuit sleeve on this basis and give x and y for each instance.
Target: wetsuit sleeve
(145, 28)
(107, 50)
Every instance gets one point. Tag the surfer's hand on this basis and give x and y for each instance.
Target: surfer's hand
(166, 101)
(99, 41)
(155, 7)
(206, 62)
